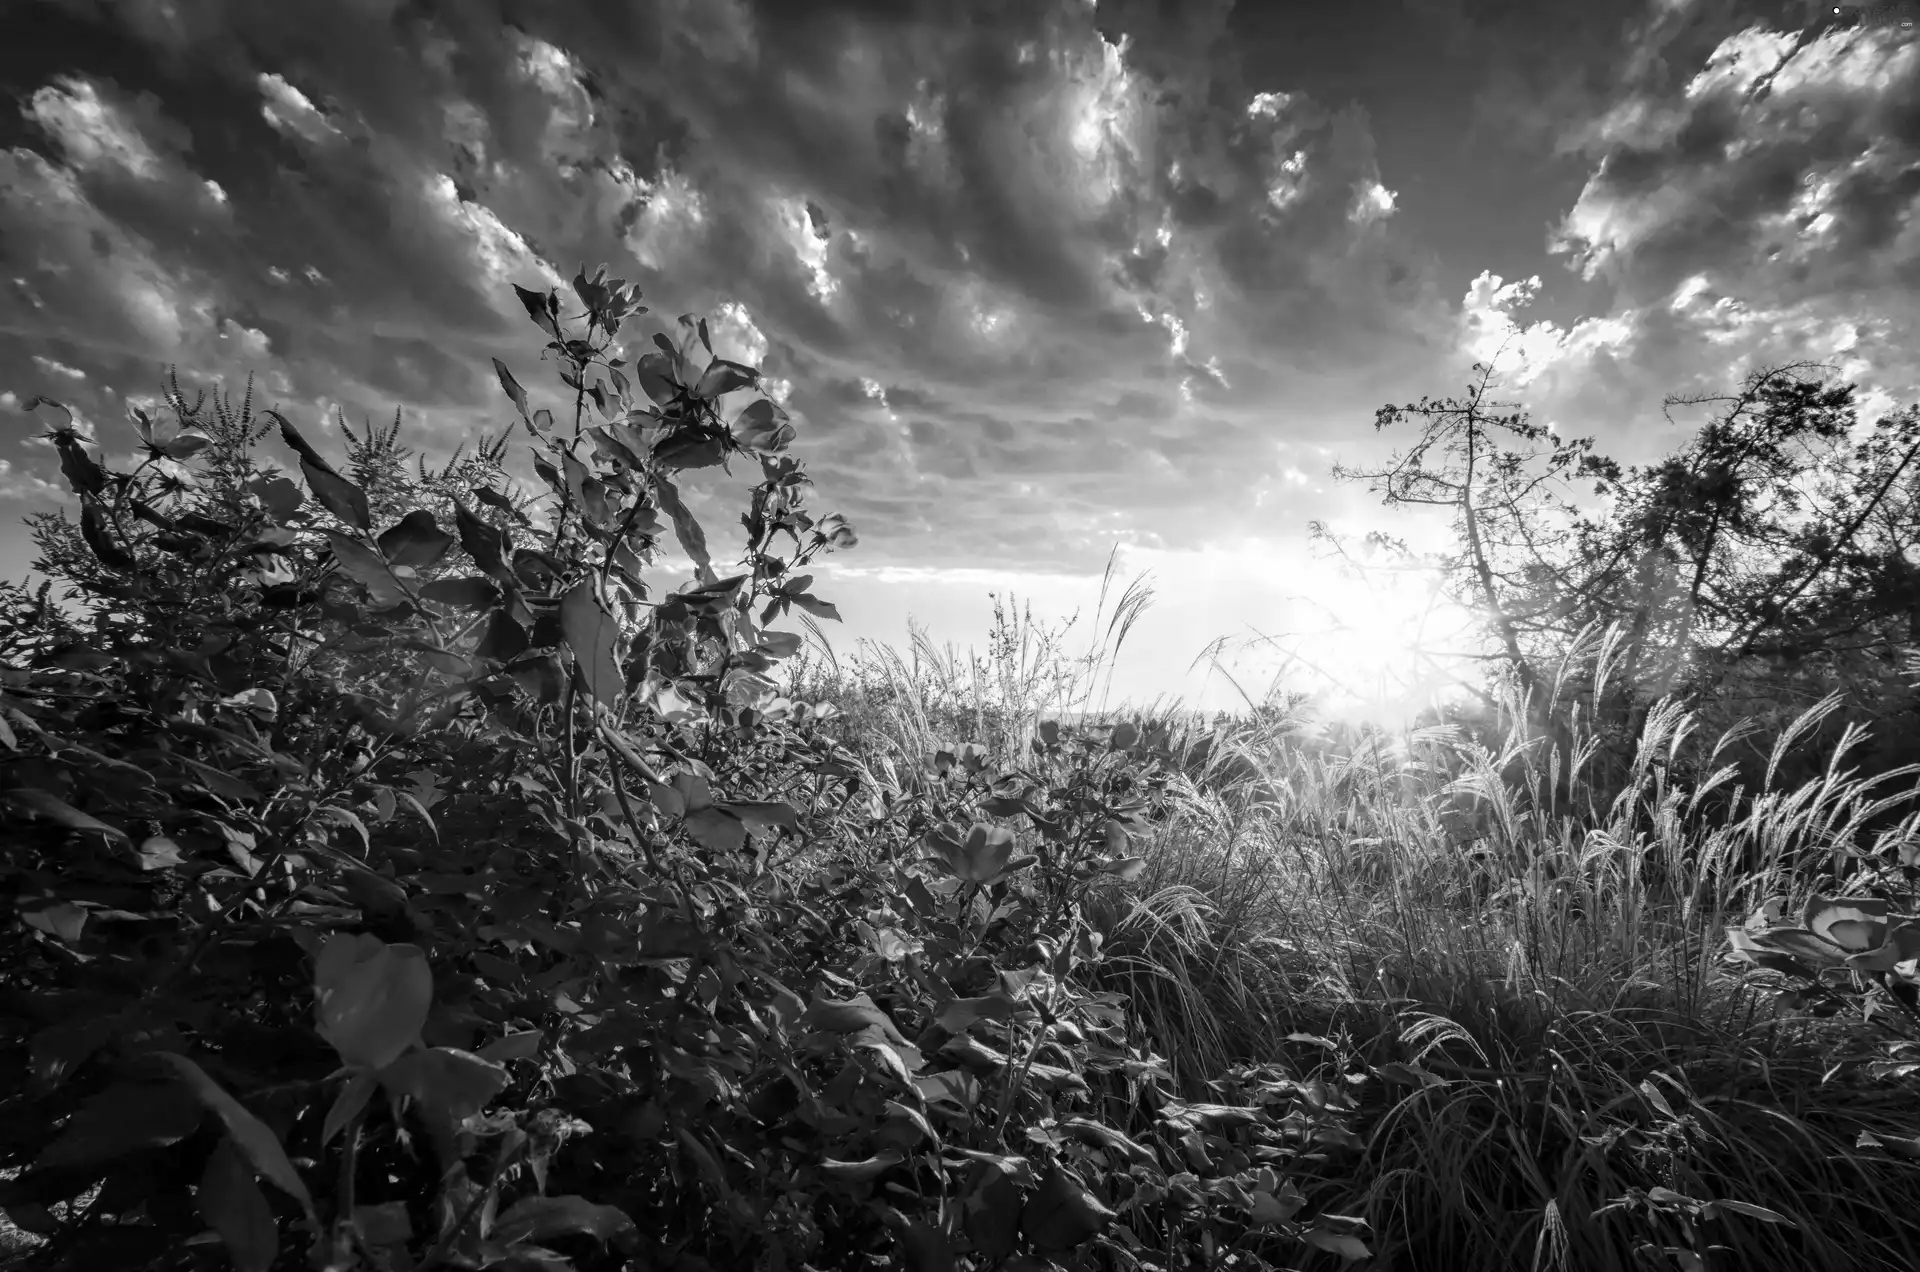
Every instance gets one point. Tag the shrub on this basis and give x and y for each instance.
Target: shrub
(394, 880)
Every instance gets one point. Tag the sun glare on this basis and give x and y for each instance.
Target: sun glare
(1267, 618)
(1371, 649)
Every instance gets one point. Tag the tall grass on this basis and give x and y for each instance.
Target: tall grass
(901, 706)
(1511, 953)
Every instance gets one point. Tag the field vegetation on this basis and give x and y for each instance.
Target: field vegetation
(396, 877)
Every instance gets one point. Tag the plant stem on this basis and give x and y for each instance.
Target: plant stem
(444, 1246)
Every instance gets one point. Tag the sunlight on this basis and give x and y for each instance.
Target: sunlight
(972, 646)
(1374, 646)
(1355, 643)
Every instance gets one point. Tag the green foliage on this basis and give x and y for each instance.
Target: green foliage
(395, 880)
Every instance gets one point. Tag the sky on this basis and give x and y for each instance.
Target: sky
(1044, 284)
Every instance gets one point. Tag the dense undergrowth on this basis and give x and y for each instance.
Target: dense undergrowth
(398, 879)
(1545, 986)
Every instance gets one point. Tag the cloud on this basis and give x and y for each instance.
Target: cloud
(1788, 154)
(51, 367)
(1764, 209)
(26, 488)
(1089, 265)
(1031, 277)
(1545, 69)
(1750, 202)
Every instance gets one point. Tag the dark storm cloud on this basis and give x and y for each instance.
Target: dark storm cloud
(1548, 71)
(1760, 209)
(1793, 156)
(1751, 175)
(1014, 265)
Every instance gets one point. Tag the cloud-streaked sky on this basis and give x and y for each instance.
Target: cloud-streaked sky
(1033, 277)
